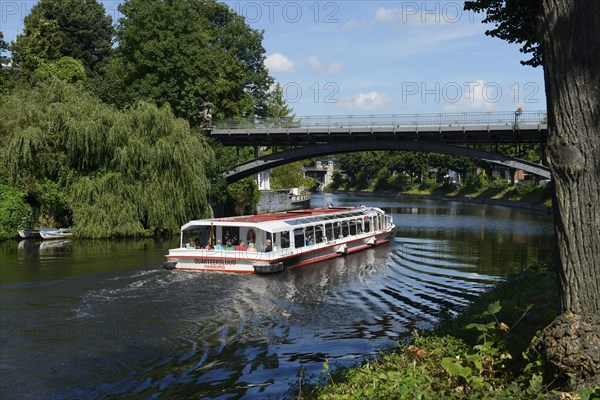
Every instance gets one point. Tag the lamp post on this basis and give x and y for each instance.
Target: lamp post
(516, 127)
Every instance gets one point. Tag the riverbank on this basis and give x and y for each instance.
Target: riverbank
(484, 352)
(533, 199)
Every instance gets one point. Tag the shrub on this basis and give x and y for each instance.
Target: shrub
(15, 213)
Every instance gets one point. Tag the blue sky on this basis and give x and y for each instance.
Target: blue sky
(364, 57)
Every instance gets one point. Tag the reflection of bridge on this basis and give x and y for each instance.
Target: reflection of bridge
(420, 132)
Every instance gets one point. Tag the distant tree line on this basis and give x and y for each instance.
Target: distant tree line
(397, 170)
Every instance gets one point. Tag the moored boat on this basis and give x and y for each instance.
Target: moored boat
(61, 233)
(29, 233)
(282, 240)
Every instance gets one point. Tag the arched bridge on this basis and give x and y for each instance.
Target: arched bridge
(436, 133)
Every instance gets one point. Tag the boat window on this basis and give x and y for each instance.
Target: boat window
(353, 227)
(367, 225)
(251, 236)
(285, 239)
(318, 234)
(231, 234)
(298, 237)
(273, 238)
(338, 230)
(310, 235)
(196, 238)
(345, 228)
(329, 231)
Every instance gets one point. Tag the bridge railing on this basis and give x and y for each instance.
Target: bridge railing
(386, 120)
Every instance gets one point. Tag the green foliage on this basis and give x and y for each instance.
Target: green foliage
(276, 109)
(290, 176)
(478, 365)
(65, 28)
(4, 75)
(338, 181)
(243, 197)
(382, 180)
(137, 172)
(187, 53)
(514, 21)
(15, 213)
(66, 69)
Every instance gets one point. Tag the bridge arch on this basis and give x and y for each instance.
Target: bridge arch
(321, 149)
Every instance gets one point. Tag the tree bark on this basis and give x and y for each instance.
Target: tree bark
(570, 38)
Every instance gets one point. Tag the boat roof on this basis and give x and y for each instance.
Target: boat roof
(272, 221)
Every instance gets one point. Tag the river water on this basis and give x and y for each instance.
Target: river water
(101, 319)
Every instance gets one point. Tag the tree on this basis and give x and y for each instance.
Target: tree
(65, 28)
(276, 111)
(568, 35)
(3, 62)
(109, 173)
(187, 53)
(66, 69)
(243, 197)
(514, 21)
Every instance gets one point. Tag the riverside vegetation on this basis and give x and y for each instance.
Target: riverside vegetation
(489, 351)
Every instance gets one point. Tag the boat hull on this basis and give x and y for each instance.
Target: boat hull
(55, 234)
(263, 263)
(29, 233)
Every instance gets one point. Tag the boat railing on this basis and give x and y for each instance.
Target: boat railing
(278, 252)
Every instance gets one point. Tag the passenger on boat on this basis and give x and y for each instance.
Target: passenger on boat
(251, 247)
(228, 245)
(197, 244)
(190, 244)
(241, 246)
(208, 247)
(219, 246)
(268, 246)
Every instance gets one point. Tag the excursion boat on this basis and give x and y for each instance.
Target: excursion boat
(283, 240)
(61, 233)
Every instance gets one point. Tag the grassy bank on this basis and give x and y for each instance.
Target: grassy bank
(483, 353)
(527, 192)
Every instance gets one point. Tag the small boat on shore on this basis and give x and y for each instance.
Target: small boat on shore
(33, 233)
(29, 233)
(61, 233)
(279, 240)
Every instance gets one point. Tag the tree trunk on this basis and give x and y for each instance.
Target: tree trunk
(570, 37)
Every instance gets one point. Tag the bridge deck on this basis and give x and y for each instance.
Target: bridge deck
(505, 127)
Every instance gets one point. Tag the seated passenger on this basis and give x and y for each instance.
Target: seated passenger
(228, 245)
(251, 247)
(241, 246)
(190, 244)
(268, 246)
(219, 246)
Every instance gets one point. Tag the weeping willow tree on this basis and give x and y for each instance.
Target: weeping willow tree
(136, 172)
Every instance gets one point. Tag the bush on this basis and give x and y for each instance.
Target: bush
(15, 213)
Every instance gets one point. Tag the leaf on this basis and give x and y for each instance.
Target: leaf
(495, 307)
(454, 368)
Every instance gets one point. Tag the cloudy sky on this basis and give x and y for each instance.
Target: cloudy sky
(365, 57)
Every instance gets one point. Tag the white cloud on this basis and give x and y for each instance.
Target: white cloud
(315, 63)
(371, 101)
(277, 62)
(352, 24)
(476, 96)
(387, 14)
(335, 68)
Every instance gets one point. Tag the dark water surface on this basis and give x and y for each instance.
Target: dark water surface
(101, 319)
